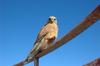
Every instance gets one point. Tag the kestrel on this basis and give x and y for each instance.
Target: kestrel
(45, 38)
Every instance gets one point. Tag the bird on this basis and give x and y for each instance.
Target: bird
(45, 38)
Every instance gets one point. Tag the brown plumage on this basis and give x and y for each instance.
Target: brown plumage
(45, 38)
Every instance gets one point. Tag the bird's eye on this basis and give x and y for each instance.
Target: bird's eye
(54, 19)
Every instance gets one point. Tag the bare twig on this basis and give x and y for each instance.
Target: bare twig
(36, 63)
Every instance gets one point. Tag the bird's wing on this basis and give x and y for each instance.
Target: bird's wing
(35, 50)
(48, 28)
(39, 41)
(38, 44)
(42, 33)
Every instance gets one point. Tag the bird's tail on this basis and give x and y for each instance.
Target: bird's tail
(26, 61)
(31, 56)
(35, 50)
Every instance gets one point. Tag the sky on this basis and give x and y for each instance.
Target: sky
(21, 20)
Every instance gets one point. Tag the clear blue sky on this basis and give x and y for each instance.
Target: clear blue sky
(21, 20)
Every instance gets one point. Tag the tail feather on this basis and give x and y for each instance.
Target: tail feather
(35, 51)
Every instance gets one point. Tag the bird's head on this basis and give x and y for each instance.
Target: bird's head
(52, 19)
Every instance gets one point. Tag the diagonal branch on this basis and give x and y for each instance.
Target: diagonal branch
(89, 21)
